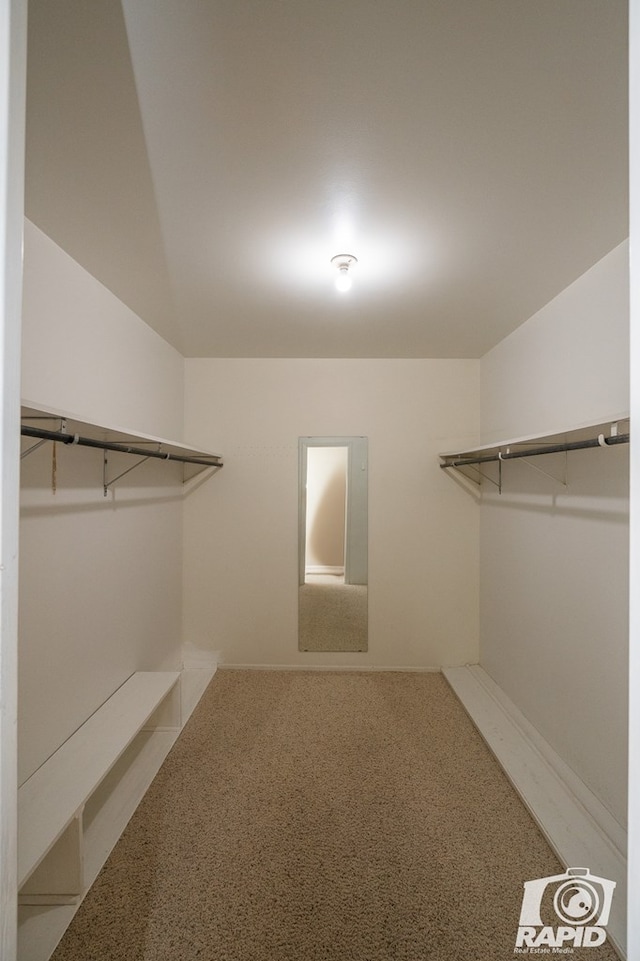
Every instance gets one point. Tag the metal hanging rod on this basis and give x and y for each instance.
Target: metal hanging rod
(600, 441)
(64, 438)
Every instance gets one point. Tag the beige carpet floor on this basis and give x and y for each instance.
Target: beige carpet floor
(332, 617)
(320, 817)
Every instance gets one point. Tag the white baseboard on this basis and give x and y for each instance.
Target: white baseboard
(198, 669)
(360, 668)
(324, 569)
(578, 827)
(194, 658)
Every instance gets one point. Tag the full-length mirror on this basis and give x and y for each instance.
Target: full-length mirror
(332, 544)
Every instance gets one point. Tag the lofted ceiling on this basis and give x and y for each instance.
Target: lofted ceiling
(205, 159)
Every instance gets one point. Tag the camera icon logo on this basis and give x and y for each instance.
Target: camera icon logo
(564, 910)
(578, 898)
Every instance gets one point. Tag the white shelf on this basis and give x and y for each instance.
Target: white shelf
(467, 462)
(74, 808)
(109, 810)
(52, 419)
(105, 817)
(574, 434)
(577, 826)
(51, 799)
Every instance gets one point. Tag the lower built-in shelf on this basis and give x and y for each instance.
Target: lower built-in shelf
(73, 809)
(581, 831)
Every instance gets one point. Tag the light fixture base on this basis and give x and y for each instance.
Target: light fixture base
(344, 261)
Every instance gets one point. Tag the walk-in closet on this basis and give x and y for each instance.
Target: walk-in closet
(319, 536)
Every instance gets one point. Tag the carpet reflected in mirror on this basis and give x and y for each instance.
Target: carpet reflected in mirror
(332, 614)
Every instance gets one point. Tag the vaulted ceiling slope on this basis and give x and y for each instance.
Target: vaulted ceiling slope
(204, 159)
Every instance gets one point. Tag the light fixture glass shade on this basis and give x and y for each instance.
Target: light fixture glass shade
(343, 280)
(344, 262)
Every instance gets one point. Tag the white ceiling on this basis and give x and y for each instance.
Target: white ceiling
(205, 159)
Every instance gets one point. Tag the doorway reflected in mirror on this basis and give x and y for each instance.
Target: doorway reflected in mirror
(333, 544)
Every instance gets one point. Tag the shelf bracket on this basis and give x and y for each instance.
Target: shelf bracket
(30, 450)
(106, 484)
(559, 480)
(62, 428)
(190, 483)
(477, 470)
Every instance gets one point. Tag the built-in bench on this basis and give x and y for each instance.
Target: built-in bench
(576, 824)
(51, 803)
(73, 809)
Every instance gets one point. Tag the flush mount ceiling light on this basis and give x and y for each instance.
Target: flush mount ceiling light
(344, 262)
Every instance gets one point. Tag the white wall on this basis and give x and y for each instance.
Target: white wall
(554, 562)
(100, 578)
(240, 575)
(633, 932)
(568, 365)
(13, 50)
(85, 352)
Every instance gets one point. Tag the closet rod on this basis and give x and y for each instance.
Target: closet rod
(64, 438)
(600, 441)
